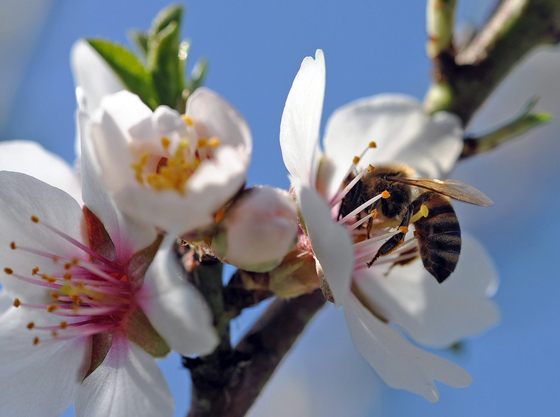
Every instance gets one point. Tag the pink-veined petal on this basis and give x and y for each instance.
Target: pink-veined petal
(437, 314)
(32, 159)
(402, 131)
(42, 379)
(93, 74)
(128, 383)
(330, 241)
(21, 197)
(128, 235)
(175, 308)
(301, 120)
(401, 364)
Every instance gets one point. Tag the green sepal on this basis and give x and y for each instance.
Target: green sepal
(128, 68)
(165, 65)
(100, 345)
(198, 74)
(141, 261)
(140, 331)
(170, 14)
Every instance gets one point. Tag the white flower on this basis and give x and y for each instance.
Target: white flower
(409, 297)
(258, 230)
(171, 171)
(90, 301)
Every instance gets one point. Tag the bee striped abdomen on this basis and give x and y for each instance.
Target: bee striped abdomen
(439, 235)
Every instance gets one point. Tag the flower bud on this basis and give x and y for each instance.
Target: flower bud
(258, 230)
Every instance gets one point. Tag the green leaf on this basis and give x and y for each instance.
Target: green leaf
(165, 65)
(171, 14)
(128, 68)
(198, 74)
(140, 38)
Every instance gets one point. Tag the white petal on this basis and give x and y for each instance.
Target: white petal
(127, 235)
(401, 364)
(330, 241)
(21, 197)
(93, 74)
(175, 308)
(219, 118)
(32, 159)
(301, 119)
(437, 314)
(210, 187)
(5, 301)
(402, 131)
(128, 383)
(37, 380)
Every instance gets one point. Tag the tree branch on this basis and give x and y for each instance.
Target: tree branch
(516, 28)
(228, 386)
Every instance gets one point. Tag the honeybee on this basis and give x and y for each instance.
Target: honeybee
(438, 234)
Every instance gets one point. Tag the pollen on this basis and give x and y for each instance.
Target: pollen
(403, 229)
(188, 120)
(31, 325)
(356, 160)
(35, 341)
(55, 295)
(13, 245)
(63, 325)
(67, 265)
(8, 271)
(202, 143)
(385, 194)
(371, 168)
(55, 333)
(67, 276)
(17, 303)
(165, 142)
(372, 144)
(55, 259)
(51, 308)
(140, 165)
(35, 271)
(214, 142)
(35, 219)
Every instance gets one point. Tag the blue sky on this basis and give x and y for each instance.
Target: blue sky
(255, 49)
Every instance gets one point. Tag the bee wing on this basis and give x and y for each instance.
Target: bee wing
(449, 188)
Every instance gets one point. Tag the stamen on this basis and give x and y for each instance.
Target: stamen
(385, 194)
(165, 142)
(13, 245)
(360, 208)
(188, 120)
(17, 303)
(423, 212)
(341, 194)
(36, 341)
(31, 325)
(373, 214)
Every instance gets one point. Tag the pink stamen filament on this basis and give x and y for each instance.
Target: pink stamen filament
(360, 209)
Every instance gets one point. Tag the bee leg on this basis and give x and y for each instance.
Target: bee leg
(394, 241)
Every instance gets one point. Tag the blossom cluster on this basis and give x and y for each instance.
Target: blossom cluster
(89, 254)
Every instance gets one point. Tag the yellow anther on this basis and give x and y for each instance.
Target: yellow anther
(403, 229)
(54, 333)
(373, 145)
(385, 194)
(371, 168)
(35, 271)
(13, 245)
(8, 271)
(374, 213)
(188, 120)
(52, 280)
(214, 142)
(67, 265)
(80, 285)
(31, 325)
(55, 295)
(63, 325)
(36, 341)
(139, 167)
(356, 160)
(75, 261)
(202, 143)
(34, 219)
(165, 143)
(17, 303)
(51, 308)
(67, 275)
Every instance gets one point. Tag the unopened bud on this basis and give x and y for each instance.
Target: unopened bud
(258, 230)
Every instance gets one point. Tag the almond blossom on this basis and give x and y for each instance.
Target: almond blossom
(160, 165)
(93, 304)
(380, 300)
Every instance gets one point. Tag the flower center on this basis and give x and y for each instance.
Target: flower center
(90, 296)
(174, 161)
